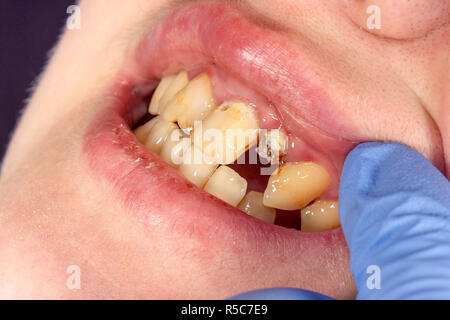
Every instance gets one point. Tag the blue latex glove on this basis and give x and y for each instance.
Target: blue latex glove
(394, 208)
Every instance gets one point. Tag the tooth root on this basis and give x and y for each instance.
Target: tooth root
(227, 185)
(227, 132)
(321, 215)
(155, 132)
(180, 81)
(294, 184)
(196, 168)
(252, 204)
(193, 102)
(159, 92)
(174, 148)
(272, 144)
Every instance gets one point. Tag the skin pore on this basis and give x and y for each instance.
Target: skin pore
(391, 84)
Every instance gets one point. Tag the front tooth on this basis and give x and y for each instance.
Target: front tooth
(191, 103)
(294, 184)
(196, 168)
(159, 92)
(158, 133)
(227, 132)
(252, 204)
(321, 215)
(227, 185)
(174, 148)
(180, 81)
(143, 131)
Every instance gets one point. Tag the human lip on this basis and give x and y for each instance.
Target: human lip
(158, 195)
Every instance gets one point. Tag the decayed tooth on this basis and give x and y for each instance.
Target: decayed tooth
(191, 103)
(159, 92)
(294, 184)
(321, 215)
(227, 185)
(196, 167)
(180, 81)
(174, 148)
(159, 129)
(252, 204)
(227, 132)
(272, 144)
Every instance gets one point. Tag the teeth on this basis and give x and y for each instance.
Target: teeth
(196, 168)
(227, 185)
(159, 92)
(156, 132)
(178, 83)
(320, 216)
(272, 145)
(193, 102)
(252, 204)
(143, 131)
(227, 132)
(293, 185)
(174, 148)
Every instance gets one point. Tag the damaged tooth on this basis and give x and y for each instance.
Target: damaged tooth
(294, 184)
(227, 132)
(157, 135)
(252, 204)
(227, 185)
(191, 103)
(321, 215)
(174, 148)
(178, 83)
(272, 144)
(159, 92)
(196, 168)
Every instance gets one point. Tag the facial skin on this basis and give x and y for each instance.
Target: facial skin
(391, 84)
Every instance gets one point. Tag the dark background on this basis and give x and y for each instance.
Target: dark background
(28, 30)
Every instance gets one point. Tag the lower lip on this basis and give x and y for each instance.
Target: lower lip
(158, 196)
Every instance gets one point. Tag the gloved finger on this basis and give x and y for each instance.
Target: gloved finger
(280, 294)
(394, 207)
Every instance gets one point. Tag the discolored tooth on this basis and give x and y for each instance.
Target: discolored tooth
(227, 132)
(227, 185)
(252, 204)
(295, 184)
(272, 144)
(180, 81)
(193, 102)
(321, 215)
(157, 135)
(196, 168)
(174, 148)
(159, 92)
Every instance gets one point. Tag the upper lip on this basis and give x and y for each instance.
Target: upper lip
(204, 33)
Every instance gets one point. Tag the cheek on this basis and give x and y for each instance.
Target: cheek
(399, 19)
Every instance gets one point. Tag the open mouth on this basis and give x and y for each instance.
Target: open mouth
(222, 149)
(202, 73)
